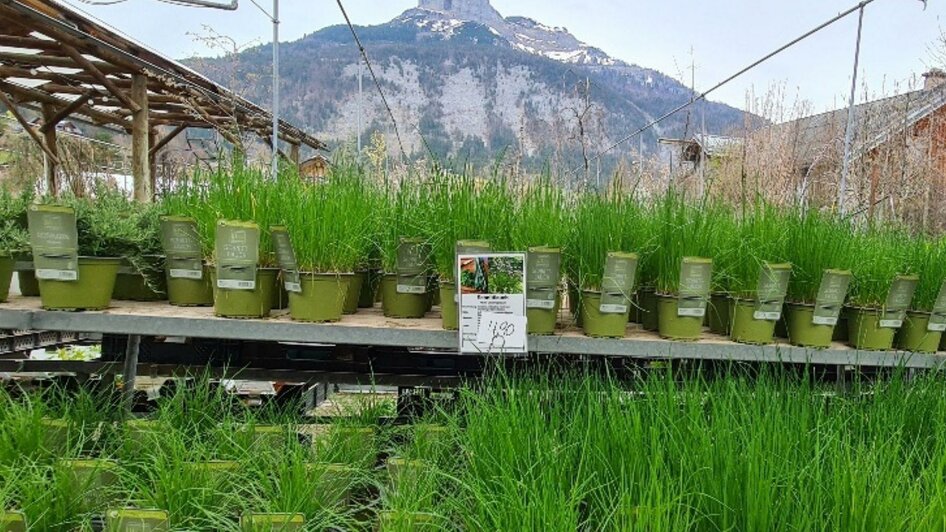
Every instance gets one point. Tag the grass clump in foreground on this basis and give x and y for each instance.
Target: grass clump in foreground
(768, 451)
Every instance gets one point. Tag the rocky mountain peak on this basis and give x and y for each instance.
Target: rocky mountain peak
(468, 10)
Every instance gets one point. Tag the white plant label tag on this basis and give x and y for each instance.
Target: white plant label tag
(236, 284)
(540, 303)
(177, 273)
(767, 316)
(57, 275)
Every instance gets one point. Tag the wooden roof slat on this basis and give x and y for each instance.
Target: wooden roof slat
(38, 96)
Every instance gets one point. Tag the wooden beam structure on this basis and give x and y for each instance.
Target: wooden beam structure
(57, 61)
(140, 135)
(49, 136)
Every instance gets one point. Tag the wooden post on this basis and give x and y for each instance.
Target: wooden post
(140, 133)
(152, 158)
(294, 154)
(52, 163)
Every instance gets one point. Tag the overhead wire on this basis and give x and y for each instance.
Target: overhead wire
(702, 96)
(364, 55)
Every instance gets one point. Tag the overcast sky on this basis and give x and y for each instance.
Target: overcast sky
(724, 36)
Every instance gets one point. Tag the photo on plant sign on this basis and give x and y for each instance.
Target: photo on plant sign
(491, 275)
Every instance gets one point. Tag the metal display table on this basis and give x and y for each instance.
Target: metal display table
(370, 328)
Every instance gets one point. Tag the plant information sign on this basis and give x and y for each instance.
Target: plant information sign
(543, 271)
(696, 275)
(286, 257)
(412, 266)
(898, 301)
(770, 294)
(831, 295)
(492, 303)
(938, 316)
(55, 242)
(617, 285)
(182, 247)
(237, 255)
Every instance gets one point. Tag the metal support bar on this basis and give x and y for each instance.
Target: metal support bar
(849, 131)
(131, 369)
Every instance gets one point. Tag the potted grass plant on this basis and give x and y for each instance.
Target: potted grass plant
(923, 326)
(596, 240)
(819, 247)
(684, 270)
(13, 209)
(187, 243)
(328, 247)
(882, 287)
(404, 246)
(14, 240)
(725, 249)
(540, 228)
(142, 278)
(78, 248)
(759, 279)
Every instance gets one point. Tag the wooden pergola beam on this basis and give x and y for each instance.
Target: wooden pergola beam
(166, 139)
(24, 123)
(15, 41)
(35, 60)
(59, 116)
(102, 78)
(49, 135)
(38, 96)
(140, 136)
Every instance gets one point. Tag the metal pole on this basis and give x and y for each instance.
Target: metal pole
(131, 369)
(849, 132)
(360, 103)
(275, 168)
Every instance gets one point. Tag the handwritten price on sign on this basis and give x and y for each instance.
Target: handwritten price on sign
(502, 332)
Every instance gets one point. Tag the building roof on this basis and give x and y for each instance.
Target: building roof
(54, 55)
(875, 123)
(710, 145)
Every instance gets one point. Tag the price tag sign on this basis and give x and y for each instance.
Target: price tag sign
(286, 257)
(617, 285)
(898, 301)
(502, 332)
(492, 303)
(412, 266)
(55, 242)
(182, 247)
(696, 274)
(831, 295)
(938, 316)
(770, 294)
(543, 272)
(237, 255)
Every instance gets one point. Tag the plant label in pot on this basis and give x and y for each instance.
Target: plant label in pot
(771, 290)
(938, 315)
(412, 266)
(696, 275)
(237, 255)
(898, 301)
(617, 284)
(182, 247)
(286, 257)
(543, 272)
(831, 295)
(55, 242)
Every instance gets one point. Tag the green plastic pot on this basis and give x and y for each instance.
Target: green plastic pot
(648, 304)
(842, 329)
(132, 286)
(802, 332)
(29, 284)
(915, 335)
(596, 324)
(748, 330)
(865, 332)
(278, 293)
(369, 289)
(6, 276)
(353, 295)
(397, 305)
(542, 321)
(322, 298)
(191, 292)
(92, 291)
(719, 313)
(256, 303)
(449, 309)
(672, 326)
